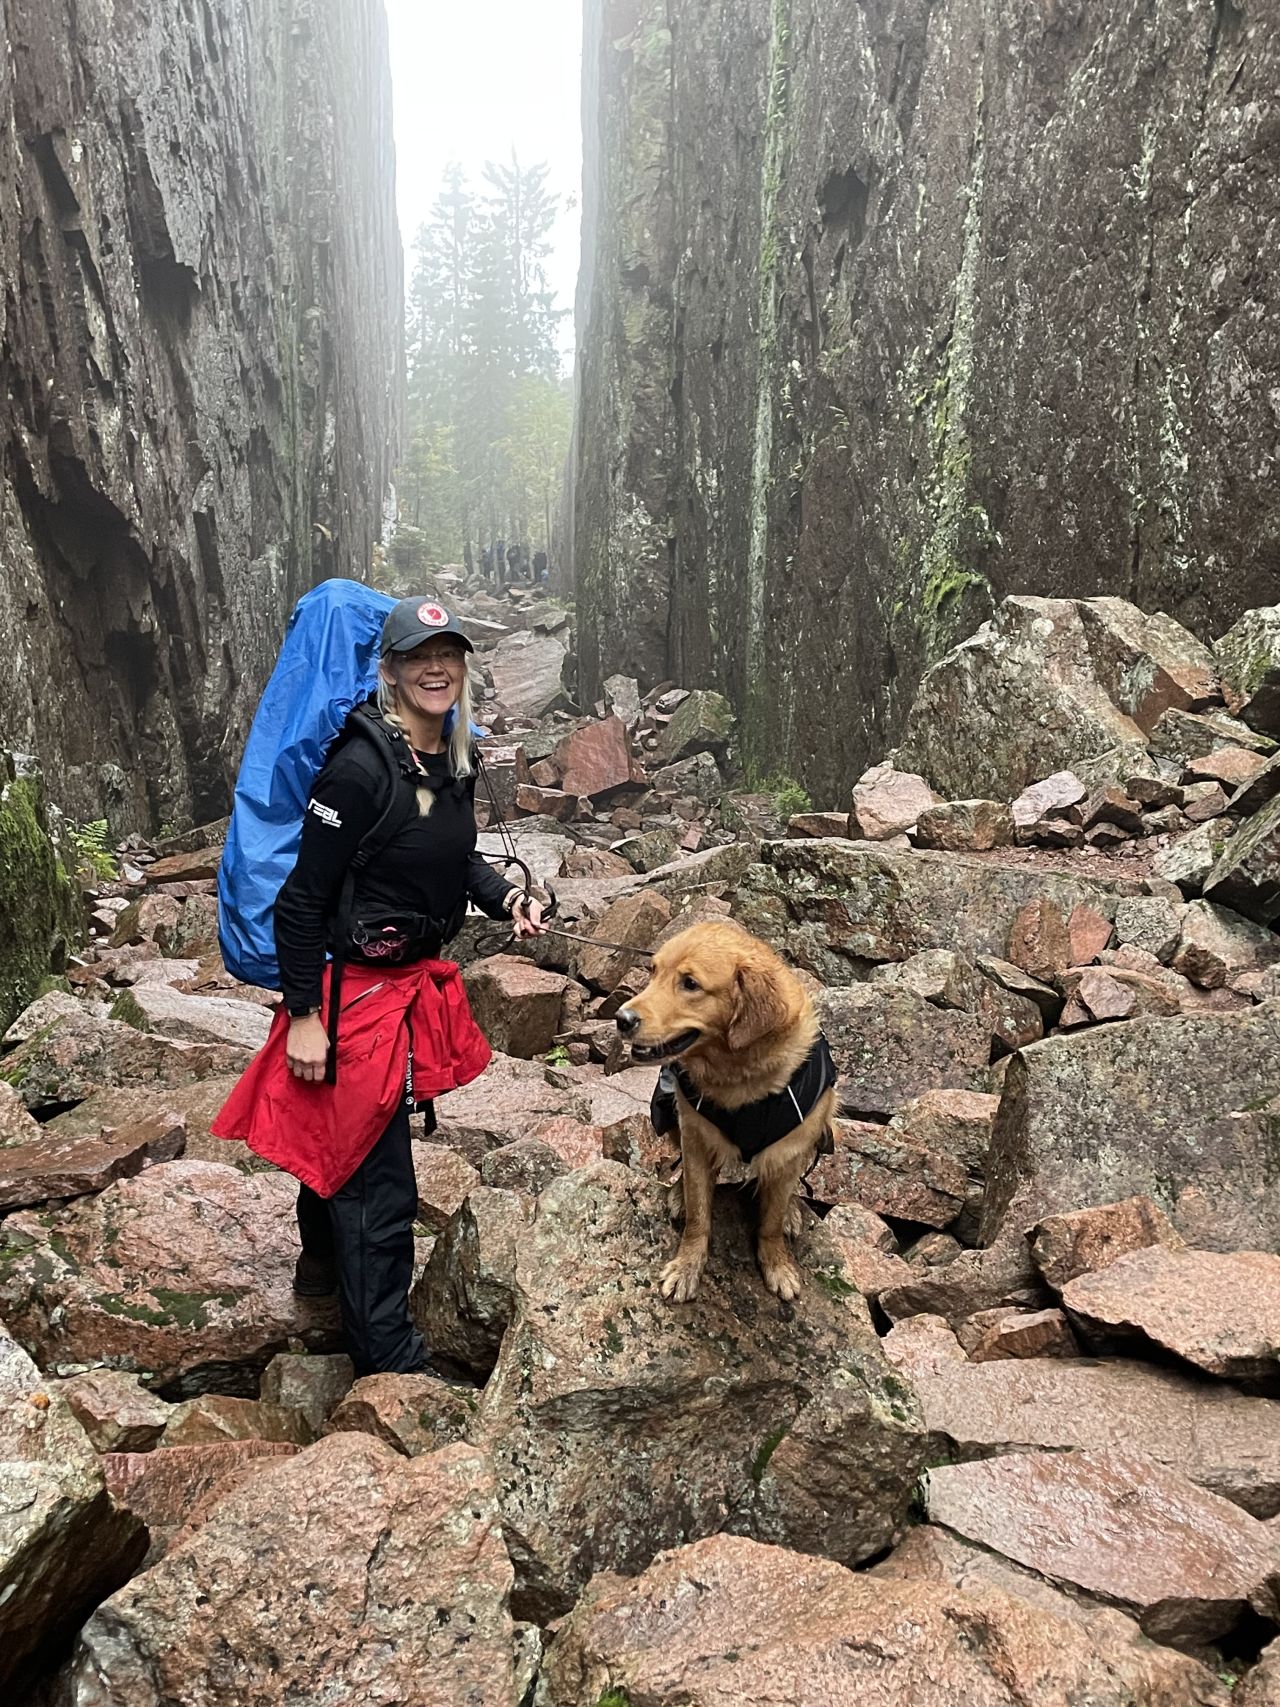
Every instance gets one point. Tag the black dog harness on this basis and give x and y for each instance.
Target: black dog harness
(756, 1125)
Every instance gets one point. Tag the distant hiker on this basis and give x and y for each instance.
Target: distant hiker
(513, 562)
(383, 875)
(486, 562)
(540, 567)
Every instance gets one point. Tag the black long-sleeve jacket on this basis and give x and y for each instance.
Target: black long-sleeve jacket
(429, 867)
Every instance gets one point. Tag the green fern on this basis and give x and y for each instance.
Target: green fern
(91, 845)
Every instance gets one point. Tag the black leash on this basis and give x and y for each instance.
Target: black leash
(512, 860)
(596, 942)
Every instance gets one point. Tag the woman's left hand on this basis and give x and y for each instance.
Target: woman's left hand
(526, 917)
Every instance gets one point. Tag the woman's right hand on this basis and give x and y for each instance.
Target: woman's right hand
(306, 1048)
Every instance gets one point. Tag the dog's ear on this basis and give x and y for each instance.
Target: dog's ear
(758, 1007)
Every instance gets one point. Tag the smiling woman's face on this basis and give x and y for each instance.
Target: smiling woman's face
(427, 680)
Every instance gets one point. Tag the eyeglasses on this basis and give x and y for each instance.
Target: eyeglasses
(452, 657)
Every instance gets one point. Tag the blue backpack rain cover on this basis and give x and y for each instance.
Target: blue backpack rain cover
(327, 664)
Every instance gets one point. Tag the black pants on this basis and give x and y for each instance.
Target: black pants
(365, 1233)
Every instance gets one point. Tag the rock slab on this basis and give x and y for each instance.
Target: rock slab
(1213, 1435)
(345, 1573)
(1185, 1562)
(184, 1272)
(1219, 1310)
(619, 1422)
(1151, 1108)
(63, 1543)
(725, 1622)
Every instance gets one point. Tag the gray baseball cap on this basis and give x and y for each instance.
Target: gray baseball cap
(417, 619)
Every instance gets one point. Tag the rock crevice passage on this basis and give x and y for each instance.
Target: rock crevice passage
(1040, 1305)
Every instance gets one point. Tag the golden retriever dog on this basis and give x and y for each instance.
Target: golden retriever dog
(730, 1015)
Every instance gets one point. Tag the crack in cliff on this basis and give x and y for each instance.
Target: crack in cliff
(1142, 297)
(773, 160)
(674, 483)
(947, 572)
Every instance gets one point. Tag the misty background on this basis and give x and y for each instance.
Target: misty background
(488, 175)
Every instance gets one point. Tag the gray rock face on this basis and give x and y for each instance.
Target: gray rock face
(838, 395)
(202, 337)
(1248, 655)
(1157, 1107)
(41, 913)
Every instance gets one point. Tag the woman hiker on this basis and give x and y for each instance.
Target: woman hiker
(338, 1118)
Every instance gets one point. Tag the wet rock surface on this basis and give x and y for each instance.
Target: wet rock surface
(1042, 1042)
(464, 1298)
(967, 192)
(53, 1166)
(1217, 1437)
(80, 1054)
(934, 1555)
(115, 1410)
(164, 1489)
(236, 441)
(1218, 1310)
(1064, 1140)
(410, 1413)
(1082, 1242)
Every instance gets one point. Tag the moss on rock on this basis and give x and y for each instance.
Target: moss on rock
(39, 907)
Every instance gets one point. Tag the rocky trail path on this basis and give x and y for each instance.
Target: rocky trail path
(1017, 1441)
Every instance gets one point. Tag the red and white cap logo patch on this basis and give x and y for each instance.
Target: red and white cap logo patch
(432, 616)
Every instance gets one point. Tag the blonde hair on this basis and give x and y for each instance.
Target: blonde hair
(460, 746)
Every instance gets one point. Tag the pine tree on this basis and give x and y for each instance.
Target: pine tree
(488, 415)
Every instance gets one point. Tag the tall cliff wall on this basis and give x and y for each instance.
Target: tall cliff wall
(892, 308)
(200, 343)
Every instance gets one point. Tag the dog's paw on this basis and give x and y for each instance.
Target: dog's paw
(681, 1278)
(781, 1275)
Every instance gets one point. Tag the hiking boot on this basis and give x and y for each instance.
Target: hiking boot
(313, 1278)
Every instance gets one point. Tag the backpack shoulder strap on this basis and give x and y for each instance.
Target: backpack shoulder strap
(378, 738)
(391, 754)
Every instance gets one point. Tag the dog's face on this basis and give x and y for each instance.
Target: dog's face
(711, 986)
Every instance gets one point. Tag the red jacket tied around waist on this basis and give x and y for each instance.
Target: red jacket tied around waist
(320, 1133)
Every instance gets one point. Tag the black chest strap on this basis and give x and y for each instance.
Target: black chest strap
(755, 1126)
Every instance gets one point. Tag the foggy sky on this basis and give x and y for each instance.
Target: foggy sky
(472, 79)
